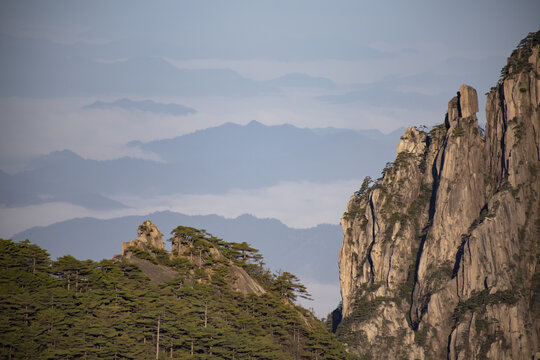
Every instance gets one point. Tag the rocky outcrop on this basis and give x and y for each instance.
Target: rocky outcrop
(468, 101)
(149, 237)
(239, 280)
(196, 248)
(440, 256)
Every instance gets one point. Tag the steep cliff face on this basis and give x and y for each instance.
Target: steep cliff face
(440, 256)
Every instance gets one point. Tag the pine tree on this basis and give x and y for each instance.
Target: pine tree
(289, 286)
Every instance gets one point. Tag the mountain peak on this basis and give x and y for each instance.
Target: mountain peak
(255, 123)
(149, 237)
(63, 155)
(421, 245)
(56, 157)
(524, 57)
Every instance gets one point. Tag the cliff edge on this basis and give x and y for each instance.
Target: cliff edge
(440, 257)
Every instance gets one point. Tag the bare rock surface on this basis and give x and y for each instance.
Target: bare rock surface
(156, 273)
(239, 280)
(149, 237)
(468, 100)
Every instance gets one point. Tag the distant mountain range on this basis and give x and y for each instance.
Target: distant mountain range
(212, 160)
(282, 246)
(38, 68)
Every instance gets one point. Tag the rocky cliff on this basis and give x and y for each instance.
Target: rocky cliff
(149, 237)
(440, 257)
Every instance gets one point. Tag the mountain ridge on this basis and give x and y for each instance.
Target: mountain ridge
(96, 238)
(215, 159)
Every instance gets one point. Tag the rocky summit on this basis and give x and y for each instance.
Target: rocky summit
(190, 245)
(149, 237)
(440, 256)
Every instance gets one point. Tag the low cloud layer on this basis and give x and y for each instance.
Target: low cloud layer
(298, 205)
(143, 105)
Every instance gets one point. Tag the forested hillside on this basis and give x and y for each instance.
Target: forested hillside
(72, 309)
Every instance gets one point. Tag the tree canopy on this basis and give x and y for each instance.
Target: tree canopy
(73, 309)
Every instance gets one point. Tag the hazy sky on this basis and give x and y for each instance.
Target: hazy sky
(393, 64)
(355, 64)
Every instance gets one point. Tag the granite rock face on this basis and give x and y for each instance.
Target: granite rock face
(440, 257)
(240, 281)
(149, 237)
(468, 101)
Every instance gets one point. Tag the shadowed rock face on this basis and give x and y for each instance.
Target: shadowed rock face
(239, 280)
(440, 258)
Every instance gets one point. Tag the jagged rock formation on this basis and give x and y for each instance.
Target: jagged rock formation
(148, 240)
(149, 237)
(440, 257)
(195, 247)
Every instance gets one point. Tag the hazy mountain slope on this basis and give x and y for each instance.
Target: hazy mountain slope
(208, 161)
(97, 239)
(41, 68)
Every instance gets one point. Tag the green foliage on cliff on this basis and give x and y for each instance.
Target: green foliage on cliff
(73, 309)
(364, 188)
(478, 301)
(519, 59)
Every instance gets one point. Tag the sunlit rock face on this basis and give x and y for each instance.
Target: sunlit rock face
(440, 257)
(149, 237)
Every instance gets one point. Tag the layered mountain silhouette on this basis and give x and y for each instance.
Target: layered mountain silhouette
(212, 160)
(40, 68)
